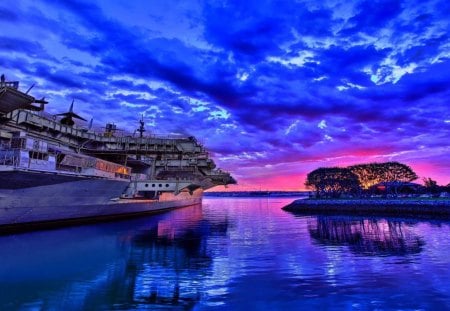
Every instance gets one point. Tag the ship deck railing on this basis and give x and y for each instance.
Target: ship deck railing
(6, 160)
(45, 120)
(11, 84)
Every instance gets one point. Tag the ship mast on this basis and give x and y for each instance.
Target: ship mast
(141, 128)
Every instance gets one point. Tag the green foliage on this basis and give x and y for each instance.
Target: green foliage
(373, 173)
(332, 181)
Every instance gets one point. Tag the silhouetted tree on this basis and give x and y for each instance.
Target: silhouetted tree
(332, 181)
(432, 187)
(429, 183)
(446, 188)
(373, 173)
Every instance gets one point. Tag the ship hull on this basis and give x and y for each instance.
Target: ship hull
(78, 201)
(54, 170)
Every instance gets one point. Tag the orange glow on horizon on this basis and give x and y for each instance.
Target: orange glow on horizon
(295, 180)
(271, 183)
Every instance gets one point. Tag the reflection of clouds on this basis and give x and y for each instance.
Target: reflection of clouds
(379, 237)
(177, 222)
(167, 262)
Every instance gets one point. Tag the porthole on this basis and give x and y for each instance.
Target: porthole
(167, 185)
(146, 185)
(153, 185)
(160, 185)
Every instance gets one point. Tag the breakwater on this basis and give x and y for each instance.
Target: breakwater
(399, 207)
(256, 194)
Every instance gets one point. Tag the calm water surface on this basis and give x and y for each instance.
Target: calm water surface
(230, 254)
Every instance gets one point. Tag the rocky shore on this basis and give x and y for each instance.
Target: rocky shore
(397, 207)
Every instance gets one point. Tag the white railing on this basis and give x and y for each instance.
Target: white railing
(11, 84)
(9, 159)
(51, 121)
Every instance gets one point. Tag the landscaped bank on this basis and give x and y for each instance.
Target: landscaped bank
(398, 207)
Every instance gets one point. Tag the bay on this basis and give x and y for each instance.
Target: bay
(230, 254)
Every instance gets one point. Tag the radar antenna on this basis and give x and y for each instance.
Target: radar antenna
(141, 128)
(29, 89)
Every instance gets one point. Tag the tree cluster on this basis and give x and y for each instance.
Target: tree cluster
(332, 181)
(335, 181)
(433, 188)
(373, 173)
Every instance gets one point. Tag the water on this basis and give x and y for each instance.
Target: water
(230, 254)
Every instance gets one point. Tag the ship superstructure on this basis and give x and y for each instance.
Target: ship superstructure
(49, 162)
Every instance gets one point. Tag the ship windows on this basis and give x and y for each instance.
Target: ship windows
(38, 155)
(167, 185)
(160, 185)
(146, 185)
(18, 143)
(153, 185)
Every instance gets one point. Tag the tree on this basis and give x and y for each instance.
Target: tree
(431, 186)
(368, 174)
(429, 183)
(373, 173)
(332, 181)
(395, 171)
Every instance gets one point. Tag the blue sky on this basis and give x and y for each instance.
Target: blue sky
(273, 89)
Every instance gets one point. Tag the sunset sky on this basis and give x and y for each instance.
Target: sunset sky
(273, 89)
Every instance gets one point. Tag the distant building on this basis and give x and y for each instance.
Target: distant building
(396, 187)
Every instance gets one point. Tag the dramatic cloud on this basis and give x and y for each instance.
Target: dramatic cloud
(273, 89)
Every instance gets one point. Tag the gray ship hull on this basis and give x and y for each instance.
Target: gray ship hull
(54, 170)
(79, 201)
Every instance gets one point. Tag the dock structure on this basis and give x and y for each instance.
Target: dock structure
(396, 207)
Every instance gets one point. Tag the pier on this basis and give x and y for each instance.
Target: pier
(396, 207)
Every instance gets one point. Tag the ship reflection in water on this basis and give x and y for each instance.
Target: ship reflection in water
(229, 254)
(152, 262)
(167, 262)
(378, 237)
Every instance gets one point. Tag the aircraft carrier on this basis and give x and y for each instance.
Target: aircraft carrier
(54, 171)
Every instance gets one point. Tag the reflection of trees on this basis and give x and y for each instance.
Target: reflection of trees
(366, 236)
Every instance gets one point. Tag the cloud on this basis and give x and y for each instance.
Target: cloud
(370, 15)
(8, 15)
(263, 83)
(30, 48)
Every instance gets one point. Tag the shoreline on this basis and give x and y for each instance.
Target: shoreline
(398, 207)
